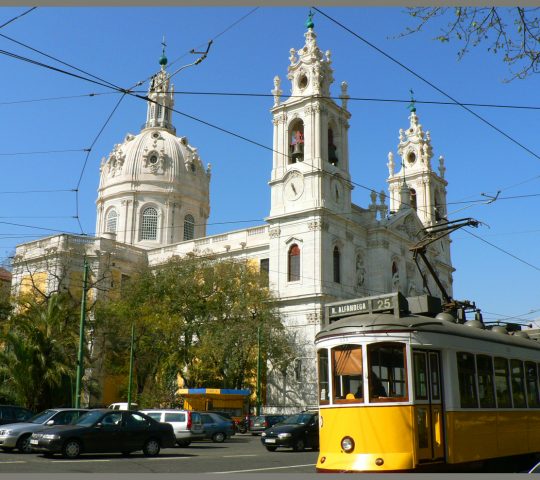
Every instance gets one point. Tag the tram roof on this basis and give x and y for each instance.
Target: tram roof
(373, 323)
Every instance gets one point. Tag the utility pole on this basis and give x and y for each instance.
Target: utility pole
(130, 381)
(259, 369)
(80, 370)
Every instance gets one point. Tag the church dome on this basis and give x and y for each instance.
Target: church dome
(154, 189)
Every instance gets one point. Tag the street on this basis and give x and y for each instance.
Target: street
(241, 453)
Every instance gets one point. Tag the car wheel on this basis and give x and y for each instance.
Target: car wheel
(219, 437)
(71, 449)
(151, 448)
(23, 444)
(299, 445)
(7, 449)
(183, 443)
(271, 449)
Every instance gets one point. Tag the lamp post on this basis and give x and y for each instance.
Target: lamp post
(259, 370)
(130, 381)
(81, 339)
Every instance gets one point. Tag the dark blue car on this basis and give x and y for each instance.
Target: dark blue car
(216, 427)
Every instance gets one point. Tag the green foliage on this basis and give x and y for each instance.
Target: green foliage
(196, 319)
(513, 32)
(38, 352)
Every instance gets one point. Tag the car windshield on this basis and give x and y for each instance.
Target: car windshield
(89, 418)
(298, 419)
(42, 417)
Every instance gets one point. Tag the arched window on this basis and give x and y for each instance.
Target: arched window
(414, 205)
(296, 142)
(112, 221)
(149, 224)
(189, 227)
(294, 263)
(337, 268)
(332, 156)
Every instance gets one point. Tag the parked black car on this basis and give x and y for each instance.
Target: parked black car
(260, 423)
(297, 431)
(105, 431)
(13, 414)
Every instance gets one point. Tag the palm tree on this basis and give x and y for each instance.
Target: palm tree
(39, 352)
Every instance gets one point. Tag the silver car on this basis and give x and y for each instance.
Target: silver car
(17, 435)
(187, 425)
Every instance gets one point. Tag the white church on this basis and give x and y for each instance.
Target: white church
(316, 245)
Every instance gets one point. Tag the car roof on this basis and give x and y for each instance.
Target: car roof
(163, 410)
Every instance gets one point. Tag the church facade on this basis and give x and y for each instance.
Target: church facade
(316, 245)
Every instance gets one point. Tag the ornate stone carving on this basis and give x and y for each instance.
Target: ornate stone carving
(317, 225)
(155, 161)
(313, 318)
(274, 232)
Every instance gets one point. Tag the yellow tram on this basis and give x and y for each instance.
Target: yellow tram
(401, 387)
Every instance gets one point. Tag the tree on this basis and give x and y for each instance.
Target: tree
(38, 352)
(513, 32)
(196, 318)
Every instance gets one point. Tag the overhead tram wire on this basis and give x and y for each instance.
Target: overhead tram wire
(513, 140)
(46, 152)
(17, 17)
(67, 97)
(359, 99)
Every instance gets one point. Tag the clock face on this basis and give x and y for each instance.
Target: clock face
(294, 186)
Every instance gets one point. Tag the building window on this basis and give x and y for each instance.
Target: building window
(414, 203)
(112, 221)
(264, 269)
(149, 224)
(332, 156)
(337, 262)
(296, 142)
(189, 227)
(294, 263)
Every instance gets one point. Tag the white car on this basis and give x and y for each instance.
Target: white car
(123, 406)
(17, 435)
(187, 425)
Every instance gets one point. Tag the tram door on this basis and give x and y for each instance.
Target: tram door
(428, 405)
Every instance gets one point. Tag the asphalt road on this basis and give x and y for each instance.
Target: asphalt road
(241, 453)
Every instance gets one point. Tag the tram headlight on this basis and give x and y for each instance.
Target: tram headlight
(347, 444)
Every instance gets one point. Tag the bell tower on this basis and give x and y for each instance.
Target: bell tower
(311, 153)
(416, 184)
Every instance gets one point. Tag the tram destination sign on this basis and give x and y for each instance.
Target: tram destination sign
(392, 303)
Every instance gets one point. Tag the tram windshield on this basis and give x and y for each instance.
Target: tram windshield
(347, 374)
(387, 373)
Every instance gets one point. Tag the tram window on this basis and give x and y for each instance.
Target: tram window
(322, 356)
(532, 384)
(435, 376)
(502, 383)
(486, 394)
(467, 380)
(420, 376)
(347, 374)
(387, 374)
(518, 384)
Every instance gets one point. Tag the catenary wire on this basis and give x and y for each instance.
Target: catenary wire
(18, 16)
(66, 97)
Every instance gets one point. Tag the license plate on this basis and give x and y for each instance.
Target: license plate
(269, 440)
(33, 442)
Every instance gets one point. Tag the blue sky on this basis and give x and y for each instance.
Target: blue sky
(123, 45)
